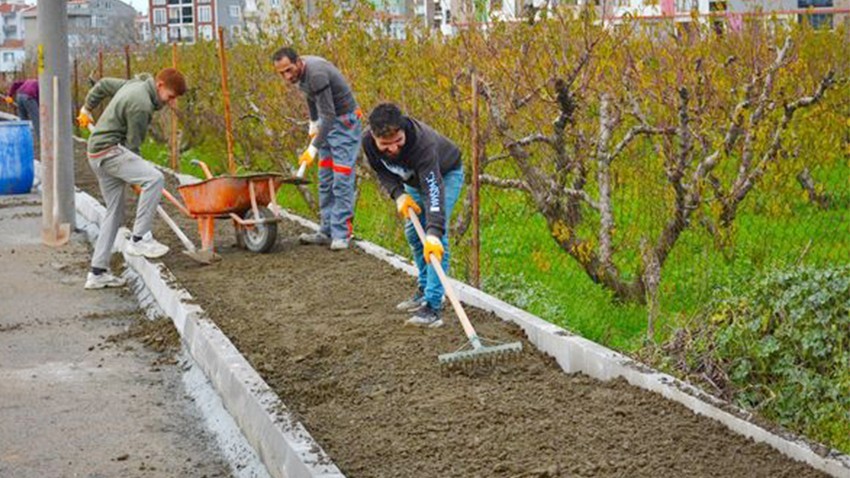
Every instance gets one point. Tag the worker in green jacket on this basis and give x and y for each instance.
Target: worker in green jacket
(113, 154)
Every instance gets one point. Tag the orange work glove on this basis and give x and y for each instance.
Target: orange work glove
(9, 100)
(84, 119)
(405, 202)
(308, 156)
(433, 246)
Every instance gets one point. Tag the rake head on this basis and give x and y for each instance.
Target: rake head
(470, 353)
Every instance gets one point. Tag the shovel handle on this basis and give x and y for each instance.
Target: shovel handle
(301, 170)
(187, 243)
(450, 292)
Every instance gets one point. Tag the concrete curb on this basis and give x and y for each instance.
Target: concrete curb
(282, 443)
(577, 354)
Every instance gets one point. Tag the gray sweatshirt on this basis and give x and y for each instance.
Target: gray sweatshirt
(424, 158)
(328, 95)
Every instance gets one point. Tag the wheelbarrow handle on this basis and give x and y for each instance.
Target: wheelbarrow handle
(203, 166)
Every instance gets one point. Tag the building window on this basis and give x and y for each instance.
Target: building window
(817, 20)
(275, 3)
(174, 15)
(187, 14)
(205, 14)
(235, 11)
(8, 57)
(159, 16)
(187, 34)
(159, 2)
(206, 32)
(174, 33)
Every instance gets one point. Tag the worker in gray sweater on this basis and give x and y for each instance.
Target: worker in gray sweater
(420, 169)
(334, 131)
(113, 153)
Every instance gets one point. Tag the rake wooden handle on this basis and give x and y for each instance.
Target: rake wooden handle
(461, 314)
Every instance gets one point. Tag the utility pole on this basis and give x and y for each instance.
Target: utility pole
(55, 111)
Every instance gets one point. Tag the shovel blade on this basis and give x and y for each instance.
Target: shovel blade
(203, 257)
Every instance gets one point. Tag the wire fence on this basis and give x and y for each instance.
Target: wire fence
(588, 253)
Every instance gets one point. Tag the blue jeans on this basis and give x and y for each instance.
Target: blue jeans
(336, 176)
(429, 282)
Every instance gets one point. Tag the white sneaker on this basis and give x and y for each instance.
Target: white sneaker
(102, 281)
(148, 247)
(339, 244)
(314, 238)
(413, 303)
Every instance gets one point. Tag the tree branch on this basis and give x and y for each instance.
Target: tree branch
(504, 183)
(638, 131)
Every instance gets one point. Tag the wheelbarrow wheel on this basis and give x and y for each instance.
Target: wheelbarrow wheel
(262, 237)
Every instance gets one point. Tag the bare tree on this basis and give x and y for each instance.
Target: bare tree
(555, 168)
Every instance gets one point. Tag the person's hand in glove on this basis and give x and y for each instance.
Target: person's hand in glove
(405, 202)
(308, 156)
(313, 131)
(9, 100)
(433, 246)
(84, 119)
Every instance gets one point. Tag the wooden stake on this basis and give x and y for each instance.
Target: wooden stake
(127, 71)
(76, 88)
(175, 164)
(474, 253)
(231, 166)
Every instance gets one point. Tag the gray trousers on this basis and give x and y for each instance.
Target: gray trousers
(115, 168)
(28, 110)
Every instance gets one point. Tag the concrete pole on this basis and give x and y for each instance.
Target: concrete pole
(53, 40)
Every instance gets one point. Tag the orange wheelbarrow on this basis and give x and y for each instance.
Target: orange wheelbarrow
(248, 200)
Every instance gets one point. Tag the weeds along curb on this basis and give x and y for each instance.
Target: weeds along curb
(577, 354)
(281, 442)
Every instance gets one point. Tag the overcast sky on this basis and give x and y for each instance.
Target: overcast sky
(140, 5)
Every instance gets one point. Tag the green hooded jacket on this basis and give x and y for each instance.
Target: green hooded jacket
(126, 118)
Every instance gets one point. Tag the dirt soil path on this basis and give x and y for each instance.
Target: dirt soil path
(321, 329)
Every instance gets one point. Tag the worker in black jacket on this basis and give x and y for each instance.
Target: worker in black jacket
(420, 169)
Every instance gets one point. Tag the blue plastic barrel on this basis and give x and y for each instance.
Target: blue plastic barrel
(16, 157)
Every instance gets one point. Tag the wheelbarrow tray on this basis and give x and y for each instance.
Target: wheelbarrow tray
(223, 195)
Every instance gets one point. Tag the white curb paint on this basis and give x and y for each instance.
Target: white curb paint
(282, 443)
(577, 354)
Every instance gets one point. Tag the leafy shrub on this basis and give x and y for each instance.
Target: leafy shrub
(781, 348)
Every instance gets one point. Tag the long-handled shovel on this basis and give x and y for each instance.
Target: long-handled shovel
(475, 349)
